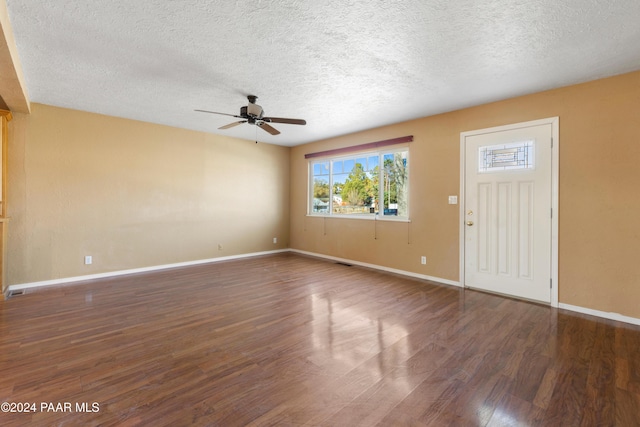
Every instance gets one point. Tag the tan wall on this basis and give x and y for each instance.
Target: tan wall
(135, 194)
(599, 237)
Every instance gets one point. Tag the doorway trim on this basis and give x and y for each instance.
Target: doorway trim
(555, 174)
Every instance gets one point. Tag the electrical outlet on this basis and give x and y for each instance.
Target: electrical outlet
(88, 260)
(423, 260)
(275, 240)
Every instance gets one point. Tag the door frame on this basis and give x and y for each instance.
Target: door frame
(555, 212)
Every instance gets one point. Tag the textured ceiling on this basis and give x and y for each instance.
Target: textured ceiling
(344, 66)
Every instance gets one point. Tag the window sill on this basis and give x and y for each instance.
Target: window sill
(362, 217)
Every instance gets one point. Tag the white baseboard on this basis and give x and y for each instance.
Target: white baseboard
(611, 316)
(379, 267)
(67, 280)
(607, 315)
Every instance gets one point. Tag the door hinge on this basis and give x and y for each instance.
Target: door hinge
(552, 142)
(550, 283)
(551, 212)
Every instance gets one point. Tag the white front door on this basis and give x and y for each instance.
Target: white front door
(507, 210)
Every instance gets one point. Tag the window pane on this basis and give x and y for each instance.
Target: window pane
(373, 162)
(504, 157)
(348, 165)
(395, 184)
(325, 168)
(337, 167)
(320, 195)
(354, 191)
(320, 202)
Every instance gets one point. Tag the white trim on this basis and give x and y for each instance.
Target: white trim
(135, 270)
(366, 217)
(607, 315)
(555, 208)
(462, 218)
(555, 176)
(68, 280)
(379, 267)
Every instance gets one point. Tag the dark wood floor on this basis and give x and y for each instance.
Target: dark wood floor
(288, 340)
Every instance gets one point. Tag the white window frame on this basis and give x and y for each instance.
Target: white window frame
(380, 203)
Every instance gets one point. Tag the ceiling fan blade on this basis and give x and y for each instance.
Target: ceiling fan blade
(284, 120)
(222, 114)
(230, 125)
(270, 129)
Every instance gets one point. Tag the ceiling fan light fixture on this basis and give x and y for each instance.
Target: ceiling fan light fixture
(254, 110)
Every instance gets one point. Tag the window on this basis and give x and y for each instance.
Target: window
(504, 157)
(361, 184)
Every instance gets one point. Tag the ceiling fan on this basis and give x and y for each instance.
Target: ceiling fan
(254, 115)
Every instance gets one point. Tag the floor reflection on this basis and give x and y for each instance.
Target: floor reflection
(358, 338)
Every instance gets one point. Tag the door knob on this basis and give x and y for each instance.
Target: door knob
(469, 223)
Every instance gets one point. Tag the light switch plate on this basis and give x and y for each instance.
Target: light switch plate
(453, 200)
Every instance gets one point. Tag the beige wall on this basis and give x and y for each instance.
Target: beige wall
(599, 237)
(135, 194)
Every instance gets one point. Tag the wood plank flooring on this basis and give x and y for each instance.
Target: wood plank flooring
(287, 340)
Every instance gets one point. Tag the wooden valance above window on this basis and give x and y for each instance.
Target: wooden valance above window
(361, 147)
